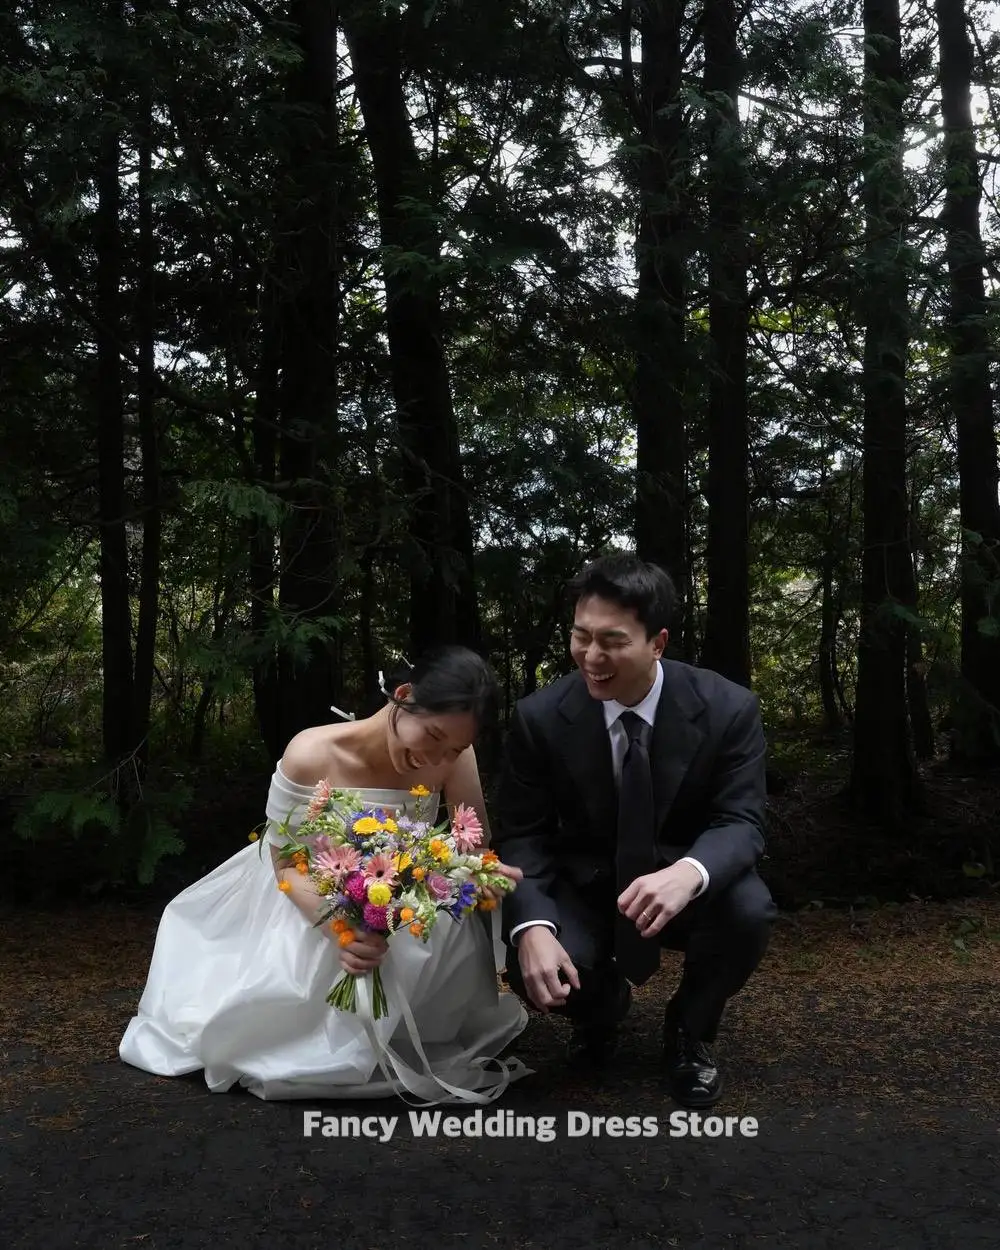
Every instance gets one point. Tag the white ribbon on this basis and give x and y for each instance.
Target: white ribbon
(345, 715)
(426, 1085)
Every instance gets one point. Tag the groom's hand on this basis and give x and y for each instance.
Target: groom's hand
(542, 958)
(652, 901)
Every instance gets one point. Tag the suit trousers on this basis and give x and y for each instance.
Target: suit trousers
(723, 934)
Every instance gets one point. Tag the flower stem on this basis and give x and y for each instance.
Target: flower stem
(344, 994)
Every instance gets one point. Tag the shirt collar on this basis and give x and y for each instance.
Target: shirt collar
(646, 709)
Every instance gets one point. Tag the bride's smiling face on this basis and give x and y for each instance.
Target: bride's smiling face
(419, 740)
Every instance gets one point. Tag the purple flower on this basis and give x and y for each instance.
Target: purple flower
(439, 886)
(466, 899)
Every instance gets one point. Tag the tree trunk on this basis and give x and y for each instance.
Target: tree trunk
(829, 620)
(118, 718)
(658, 398)
(263, 574)
(442, 591)
(308, 452)
(976, 738)
(884, 780)
(726, 646)
(149, 443)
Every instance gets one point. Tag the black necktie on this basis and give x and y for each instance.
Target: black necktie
(637, 957)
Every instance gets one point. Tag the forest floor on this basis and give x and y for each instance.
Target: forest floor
(864, 1047)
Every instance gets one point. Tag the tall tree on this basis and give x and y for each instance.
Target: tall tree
(119, 720)
(307, 328)
(977, 713)
(661, 172)
(726, 645)
(442, 590)
(884, 779)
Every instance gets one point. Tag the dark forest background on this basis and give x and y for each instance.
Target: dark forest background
(332, 330)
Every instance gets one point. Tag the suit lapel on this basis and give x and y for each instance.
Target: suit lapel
(676, 739)
(588, 754)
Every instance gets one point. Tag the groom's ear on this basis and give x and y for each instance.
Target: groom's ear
(660, 642)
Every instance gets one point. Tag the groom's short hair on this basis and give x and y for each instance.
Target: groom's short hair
(624, 579)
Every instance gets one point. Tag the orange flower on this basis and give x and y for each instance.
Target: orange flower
(284, 886)
(347, 937)
(490, 858)
(416, 928)
(419, 874)
(339, 925)
(302, 866)
(487, 903)
(406, 915)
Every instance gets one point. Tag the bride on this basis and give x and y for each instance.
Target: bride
(239, 975)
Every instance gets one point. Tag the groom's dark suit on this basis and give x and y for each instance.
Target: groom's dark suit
(557, 819)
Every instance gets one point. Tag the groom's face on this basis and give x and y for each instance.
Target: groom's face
(610, 647)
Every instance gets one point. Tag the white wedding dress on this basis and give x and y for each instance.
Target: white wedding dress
(238, 982)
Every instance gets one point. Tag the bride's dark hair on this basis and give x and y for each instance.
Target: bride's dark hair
(447, 679)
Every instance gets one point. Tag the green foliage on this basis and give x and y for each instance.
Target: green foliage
(106, 844)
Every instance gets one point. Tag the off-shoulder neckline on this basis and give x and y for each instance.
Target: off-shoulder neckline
(297, 785)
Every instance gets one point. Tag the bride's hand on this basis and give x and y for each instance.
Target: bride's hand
(364, 954)
(506, 870)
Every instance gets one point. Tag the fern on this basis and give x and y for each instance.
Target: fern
(69, 810)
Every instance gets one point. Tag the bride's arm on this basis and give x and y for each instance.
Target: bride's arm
(305, 763)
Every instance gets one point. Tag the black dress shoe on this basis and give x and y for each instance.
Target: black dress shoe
(690, 1070)
(595, 1040)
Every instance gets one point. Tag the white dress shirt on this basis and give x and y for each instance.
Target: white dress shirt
(619, 745)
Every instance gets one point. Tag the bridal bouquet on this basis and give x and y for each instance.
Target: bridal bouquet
(381, 873)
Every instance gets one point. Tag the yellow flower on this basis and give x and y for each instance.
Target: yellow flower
(419, 874)
(389, 824)
(367, 824)
(254, 835)
(439, 850)
(402, 861)
(379, 894)
(419, 792)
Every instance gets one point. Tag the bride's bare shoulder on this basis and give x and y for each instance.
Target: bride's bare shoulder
(312, 754)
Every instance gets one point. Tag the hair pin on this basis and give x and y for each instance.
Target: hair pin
(345, 715)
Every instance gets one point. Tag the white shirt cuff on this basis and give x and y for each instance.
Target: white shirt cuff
(527, 924)
(701, 868)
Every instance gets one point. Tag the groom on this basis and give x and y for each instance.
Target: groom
(633, 800)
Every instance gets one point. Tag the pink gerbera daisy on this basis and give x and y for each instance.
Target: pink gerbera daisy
(466, 829)
(320, 798)
(339, 860)
(381, 868)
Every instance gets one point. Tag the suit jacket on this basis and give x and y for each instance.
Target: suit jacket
(557, 801)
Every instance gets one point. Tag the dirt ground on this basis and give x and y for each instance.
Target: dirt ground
(864, 1047)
